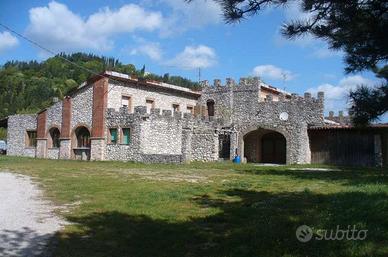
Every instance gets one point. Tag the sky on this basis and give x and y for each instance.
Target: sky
(171, 36)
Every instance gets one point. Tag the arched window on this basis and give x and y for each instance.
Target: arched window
(54, 137)
(210, 108)
(83, 137)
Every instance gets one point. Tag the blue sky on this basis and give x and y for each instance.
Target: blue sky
(170, 36)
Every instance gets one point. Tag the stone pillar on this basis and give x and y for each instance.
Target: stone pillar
(41, 148)
(186, 144)
(100, 99)
(97, 149)
(233, 144)
(65, 147)
(41, 144)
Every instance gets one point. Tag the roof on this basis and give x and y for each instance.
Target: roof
(349, 127)
(274, 89)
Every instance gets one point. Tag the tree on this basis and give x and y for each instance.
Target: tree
(358, 28)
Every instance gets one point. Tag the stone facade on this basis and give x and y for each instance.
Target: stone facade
(167, 133)
(17, 134)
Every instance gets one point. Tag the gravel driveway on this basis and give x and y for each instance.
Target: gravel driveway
(26, 220)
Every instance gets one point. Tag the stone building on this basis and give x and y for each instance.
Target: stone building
(118, 117)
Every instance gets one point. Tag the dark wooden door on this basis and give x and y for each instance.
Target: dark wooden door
(273, 148)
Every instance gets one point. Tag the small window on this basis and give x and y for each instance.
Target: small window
(210, 108)
(190, 109)
(113, 136)
(126, 136)
(175, 107)
(150, 104)
(126, 102)
(31, 138)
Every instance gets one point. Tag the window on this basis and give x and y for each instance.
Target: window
(126, 136)
(83, 137)
(31, 138)
(126, 101)
(113, 136)
(54, 136)
(150, 104)
(190, 109)
(210, 108)
(175, 107)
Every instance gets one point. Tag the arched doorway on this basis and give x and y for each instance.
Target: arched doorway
(54, 135)
(265, 146)
(210, 108)
(81, 143)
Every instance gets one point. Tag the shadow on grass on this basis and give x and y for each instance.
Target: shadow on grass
(259, 224)
(348, 175)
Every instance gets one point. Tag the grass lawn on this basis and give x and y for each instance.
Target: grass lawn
(217, 209)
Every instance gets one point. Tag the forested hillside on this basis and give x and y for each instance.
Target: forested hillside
(27, 87)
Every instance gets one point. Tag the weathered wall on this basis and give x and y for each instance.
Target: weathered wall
(54, 116)
(249, 113)
(16, 137)
(82, 107)
(161, 136)
(163, 98)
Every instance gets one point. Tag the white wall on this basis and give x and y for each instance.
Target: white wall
(163, 99)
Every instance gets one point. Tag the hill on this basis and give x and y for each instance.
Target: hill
(26, 87)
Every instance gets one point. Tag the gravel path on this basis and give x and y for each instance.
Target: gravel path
(26, 220)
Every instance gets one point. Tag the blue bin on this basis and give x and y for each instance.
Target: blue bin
(237, 159)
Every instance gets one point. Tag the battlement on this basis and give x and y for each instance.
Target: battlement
(251, 85)
(140, 114)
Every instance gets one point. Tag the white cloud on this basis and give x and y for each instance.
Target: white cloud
(272, 72)
(336, 95)
(59, 28)
(152, 50)
(7, 41)
(193, 57)
(324, 52)
(195, 14)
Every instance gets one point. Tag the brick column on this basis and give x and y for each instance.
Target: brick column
(100, 99)
(41, 144)
(65, 148)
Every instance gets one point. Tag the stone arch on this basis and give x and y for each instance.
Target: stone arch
(53, 137)
(80, 142)
(265, 129)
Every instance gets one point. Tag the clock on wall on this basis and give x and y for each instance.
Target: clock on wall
(283, 116)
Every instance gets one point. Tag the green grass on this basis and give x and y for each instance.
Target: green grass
(214, 209)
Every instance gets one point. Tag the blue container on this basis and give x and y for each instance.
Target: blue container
(237, 159)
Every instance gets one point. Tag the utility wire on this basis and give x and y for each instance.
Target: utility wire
(61, 57)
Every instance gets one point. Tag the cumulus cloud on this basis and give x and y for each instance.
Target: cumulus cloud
(152, 50)
(59, 28)
(336, 95)
(7, 41)
(195, 14)
(272, 72)
(193, 57)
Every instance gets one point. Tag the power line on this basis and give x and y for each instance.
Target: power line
(61, 57)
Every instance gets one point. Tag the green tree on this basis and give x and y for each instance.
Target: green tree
(27, 87)
(358, 28)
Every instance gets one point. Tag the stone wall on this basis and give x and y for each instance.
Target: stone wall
(290, 115)
(17, 133)
(82, 107)
(54, 116)
(159, 137)
(162, 98)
